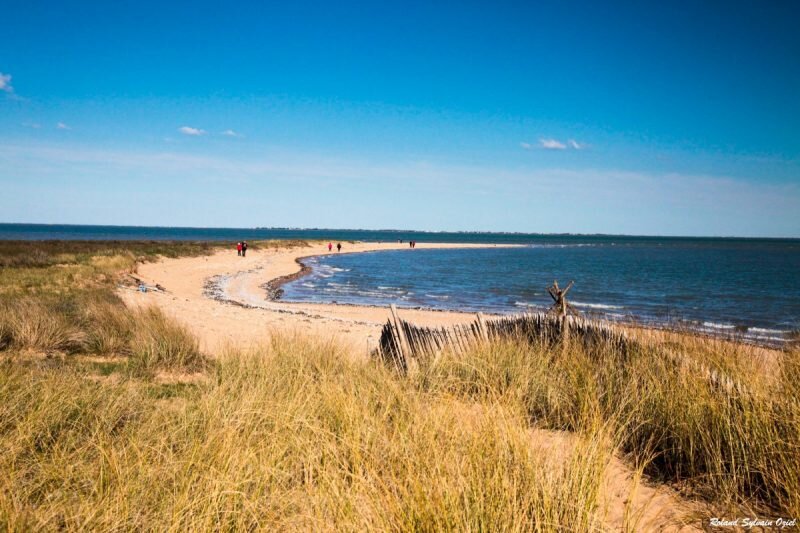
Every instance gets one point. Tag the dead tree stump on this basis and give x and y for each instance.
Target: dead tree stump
(561, 308)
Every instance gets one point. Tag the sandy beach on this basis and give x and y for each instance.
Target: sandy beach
(249, 317)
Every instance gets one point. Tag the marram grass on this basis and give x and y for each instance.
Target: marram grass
(289, 436)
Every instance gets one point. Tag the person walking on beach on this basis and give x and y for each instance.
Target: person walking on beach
(330, 247)
(239, 248)
(244, 248)
(338, 247)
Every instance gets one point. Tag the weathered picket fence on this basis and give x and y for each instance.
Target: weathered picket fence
(405, 346)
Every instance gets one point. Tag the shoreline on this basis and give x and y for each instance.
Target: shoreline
(274, 287)
(198, 289)
(274, 292)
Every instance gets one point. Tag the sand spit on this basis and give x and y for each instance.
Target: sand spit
(230, 300)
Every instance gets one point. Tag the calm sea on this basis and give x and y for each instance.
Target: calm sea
(747, 287)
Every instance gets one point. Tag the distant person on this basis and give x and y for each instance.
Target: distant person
(239, 248)
(338, 247)
(330, 246)
(244, 248)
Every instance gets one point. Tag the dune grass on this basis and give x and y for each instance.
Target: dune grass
(738, 449)
(58, 297)
(293, 435)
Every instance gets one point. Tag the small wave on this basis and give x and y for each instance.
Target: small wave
(438, 296)
(766, 331)
(574, 245)
(596, 306)
(715, 325)
(307, 284)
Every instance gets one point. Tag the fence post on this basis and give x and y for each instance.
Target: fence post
(482, 327)
(405, 348)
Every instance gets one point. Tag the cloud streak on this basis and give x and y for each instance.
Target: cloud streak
(188, 130)
(552, 144)
(231, 133)
(547, 143)
(575, 145)
(62, 126)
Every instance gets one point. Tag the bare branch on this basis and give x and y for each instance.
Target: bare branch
(564, 292)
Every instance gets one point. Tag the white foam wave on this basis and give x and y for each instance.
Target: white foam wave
(596, 306)
(715, 325)
(573, 245)
(766, 331)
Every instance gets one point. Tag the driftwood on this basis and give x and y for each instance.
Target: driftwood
(560, 305)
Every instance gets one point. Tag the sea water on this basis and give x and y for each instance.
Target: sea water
(744, 287)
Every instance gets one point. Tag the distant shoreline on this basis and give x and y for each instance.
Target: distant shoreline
(33, 231)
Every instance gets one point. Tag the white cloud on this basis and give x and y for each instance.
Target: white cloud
(231, 133)
(576, 145)
(552, 144)
(62, 126)
(525, 145)
(5, 83)
(188, 130)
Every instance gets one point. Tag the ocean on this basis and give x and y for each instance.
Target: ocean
(744, 287)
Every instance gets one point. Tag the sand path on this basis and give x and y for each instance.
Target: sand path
(219, 324)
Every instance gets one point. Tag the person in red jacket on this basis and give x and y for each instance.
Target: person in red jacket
(238, 248)
(330, 246)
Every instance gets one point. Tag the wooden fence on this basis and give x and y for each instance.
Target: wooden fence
(404, 346)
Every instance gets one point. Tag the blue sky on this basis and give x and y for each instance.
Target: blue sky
(676, 119)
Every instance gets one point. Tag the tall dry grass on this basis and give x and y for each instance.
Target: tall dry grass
(739, 449)
(158, 342)
(57, 297)
(290, 436)
(100, 325)
(32, 324)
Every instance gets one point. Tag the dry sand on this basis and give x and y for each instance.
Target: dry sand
(221, 324)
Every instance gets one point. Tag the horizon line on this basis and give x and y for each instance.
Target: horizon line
(390, 230)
